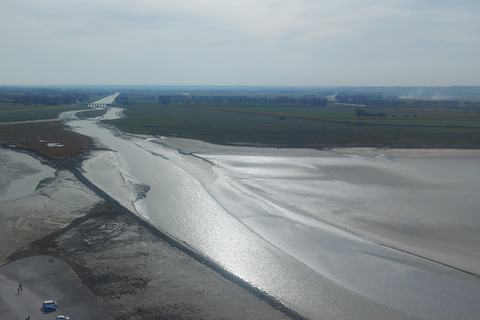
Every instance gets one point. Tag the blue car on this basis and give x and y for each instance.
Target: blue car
(49, 306)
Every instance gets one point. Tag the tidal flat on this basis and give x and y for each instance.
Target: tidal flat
(310, 227)
(134, 270)
(341, 233)
(38, 200)
(382, 223)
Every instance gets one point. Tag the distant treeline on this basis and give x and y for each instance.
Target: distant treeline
(305, 101)
(122, 99)
(380, 101)
(65, 98)
(363, 113)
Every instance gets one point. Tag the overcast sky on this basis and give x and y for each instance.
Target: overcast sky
(240, 42)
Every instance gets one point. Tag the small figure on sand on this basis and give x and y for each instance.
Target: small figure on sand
(20, 287)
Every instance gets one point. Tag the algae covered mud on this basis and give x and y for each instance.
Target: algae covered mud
(346, 233)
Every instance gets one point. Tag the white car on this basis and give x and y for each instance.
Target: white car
(62, 318)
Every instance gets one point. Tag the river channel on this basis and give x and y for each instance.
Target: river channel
(339, 234)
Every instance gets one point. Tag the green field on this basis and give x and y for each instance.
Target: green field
(237, 117)
(316, 113)
(10, 112)
(305, 127)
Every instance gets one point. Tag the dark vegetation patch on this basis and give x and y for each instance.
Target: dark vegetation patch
(91, 113)
(260, 126)
(10, 112)
(37, 135)
(269, 116)
(169, 312)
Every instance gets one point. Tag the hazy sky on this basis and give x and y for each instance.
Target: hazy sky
(240, 42)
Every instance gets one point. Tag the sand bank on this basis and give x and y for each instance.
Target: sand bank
(53, 205)
(293, 198)
(20, 174)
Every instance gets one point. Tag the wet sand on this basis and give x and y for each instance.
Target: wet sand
(420, 201)
(45, 278)
(20, 174)
(54, 205)
(302, 202)
(132, 268)
(104, 264)
(139, 274)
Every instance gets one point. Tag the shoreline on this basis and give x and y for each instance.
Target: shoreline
(204, 151)
(49, 245)
(190, 251)
(394, 263)
(46, 244)
(74, 165)
(21, 173)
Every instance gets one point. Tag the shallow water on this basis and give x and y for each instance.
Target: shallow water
(305, 225)
(20, 174)
(407, 201)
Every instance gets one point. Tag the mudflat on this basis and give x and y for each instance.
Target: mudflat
(56, 203)
(134, 270)
(137, 273)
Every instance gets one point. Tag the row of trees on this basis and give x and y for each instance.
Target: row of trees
(472, 104)
(306, 101)
(122, 99)
(374, 101)
(44, 99)
(363, 113)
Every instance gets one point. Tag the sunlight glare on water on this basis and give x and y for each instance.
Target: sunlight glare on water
(268, 216)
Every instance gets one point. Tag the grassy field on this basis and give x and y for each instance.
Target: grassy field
(306, 127)
(327, 112)
(279, 126)
(91, 113)
(22, 112)
(37, 136)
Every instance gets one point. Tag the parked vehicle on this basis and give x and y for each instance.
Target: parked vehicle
(63, 318)
(49, 305)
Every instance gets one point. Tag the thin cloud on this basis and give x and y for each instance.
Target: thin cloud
(289, 42)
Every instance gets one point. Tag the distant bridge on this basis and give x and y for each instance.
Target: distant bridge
(105, 101)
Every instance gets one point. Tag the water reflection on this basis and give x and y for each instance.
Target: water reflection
(268, 216)
(20, 174)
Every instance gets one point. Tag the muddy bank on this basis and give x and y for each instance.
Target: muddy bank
(135, 270)
(139, 273)
(52, 139)
(55, 204)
